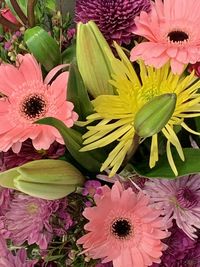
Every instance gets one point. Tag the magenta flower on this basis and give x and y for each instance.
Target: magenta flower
(115, 18)
(28, 153)
(179, 199)
(7, 259)
(196, 68)
(91, 188)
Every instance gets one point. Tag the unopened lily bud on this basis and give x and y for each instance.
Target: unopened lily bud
(48, 179)
(93, 62)
(154, 115)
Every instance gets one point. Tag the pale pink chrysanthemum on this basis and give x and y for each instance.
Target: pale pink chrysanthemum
(28, 219)
(29, 98)
(172, 29)
(179, 199)
(123, 228)
(7, 259)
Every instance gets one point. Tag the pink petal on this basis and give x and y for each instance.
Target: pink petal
(29, 68)
(16, 147)
(53, 72)
(176, 66)
(10, 79)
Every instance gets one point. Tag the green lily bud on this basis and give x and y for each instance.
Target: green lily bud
(93, 62)
(43, 47)
(48, 179)
(154, 115)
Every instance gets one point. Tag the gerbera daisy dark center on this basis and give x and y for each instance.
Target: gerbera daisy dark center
(186, 198)
(177, 36)
(33, 106)
(121, 228)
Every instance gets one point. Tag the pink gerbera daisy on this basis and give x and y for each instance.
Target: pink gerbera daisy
(172, 29)
(27, 99)
(123, 228)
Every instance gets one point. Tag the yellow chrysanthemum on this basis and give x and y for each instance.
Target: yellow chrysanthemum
(117, 112)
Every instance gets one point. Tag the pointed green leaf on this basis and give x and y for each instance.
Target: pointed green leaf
(163, 170)
(43, 47)
(90, 160)
(77, 93)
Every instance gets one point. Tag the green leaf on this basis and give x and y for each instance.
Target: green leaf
(22, 4)
(43, 47)
(51, 4)
(90, 160)
(77, 93)
(197, 123)
(163, 170)
(69, 54)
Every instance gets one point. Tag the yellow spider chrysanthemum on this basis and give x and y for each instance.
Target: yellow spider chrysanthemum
(117, 112)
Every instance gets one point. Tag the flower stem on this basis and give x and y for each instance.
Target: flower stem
(30, 12)
(132, 150)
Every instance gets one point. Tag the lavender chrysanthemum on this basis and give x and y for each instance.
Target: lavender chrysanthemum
(7, 259)
(179, 199)
(29, 219)
(115, 18)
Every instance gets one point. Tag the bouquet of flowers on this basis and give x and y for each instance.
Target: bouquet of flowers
(99, 133)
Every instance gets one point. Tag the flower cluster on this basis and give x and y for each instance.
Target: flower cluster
(99, 126)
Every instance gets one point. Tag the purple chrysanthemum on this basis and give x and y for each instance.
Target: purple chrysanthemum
(28, 153)
(7, 259)
(179, 247)
(30, 219)
(179, 199)
(115, 18)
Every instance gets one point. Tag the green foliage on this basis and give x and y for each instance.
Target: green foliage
(163, 170)
(43, 47)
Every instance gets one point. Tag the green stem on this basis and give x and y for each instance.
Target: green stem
(19, 12)
(132, 150)
(30, 12)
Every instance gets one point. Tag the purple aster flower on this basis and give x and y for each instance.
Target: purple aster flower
(7, 259)
(179, 199)
(91, 188)
(115, 18)
(27, 153)
(7, 45)
(29, 219)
